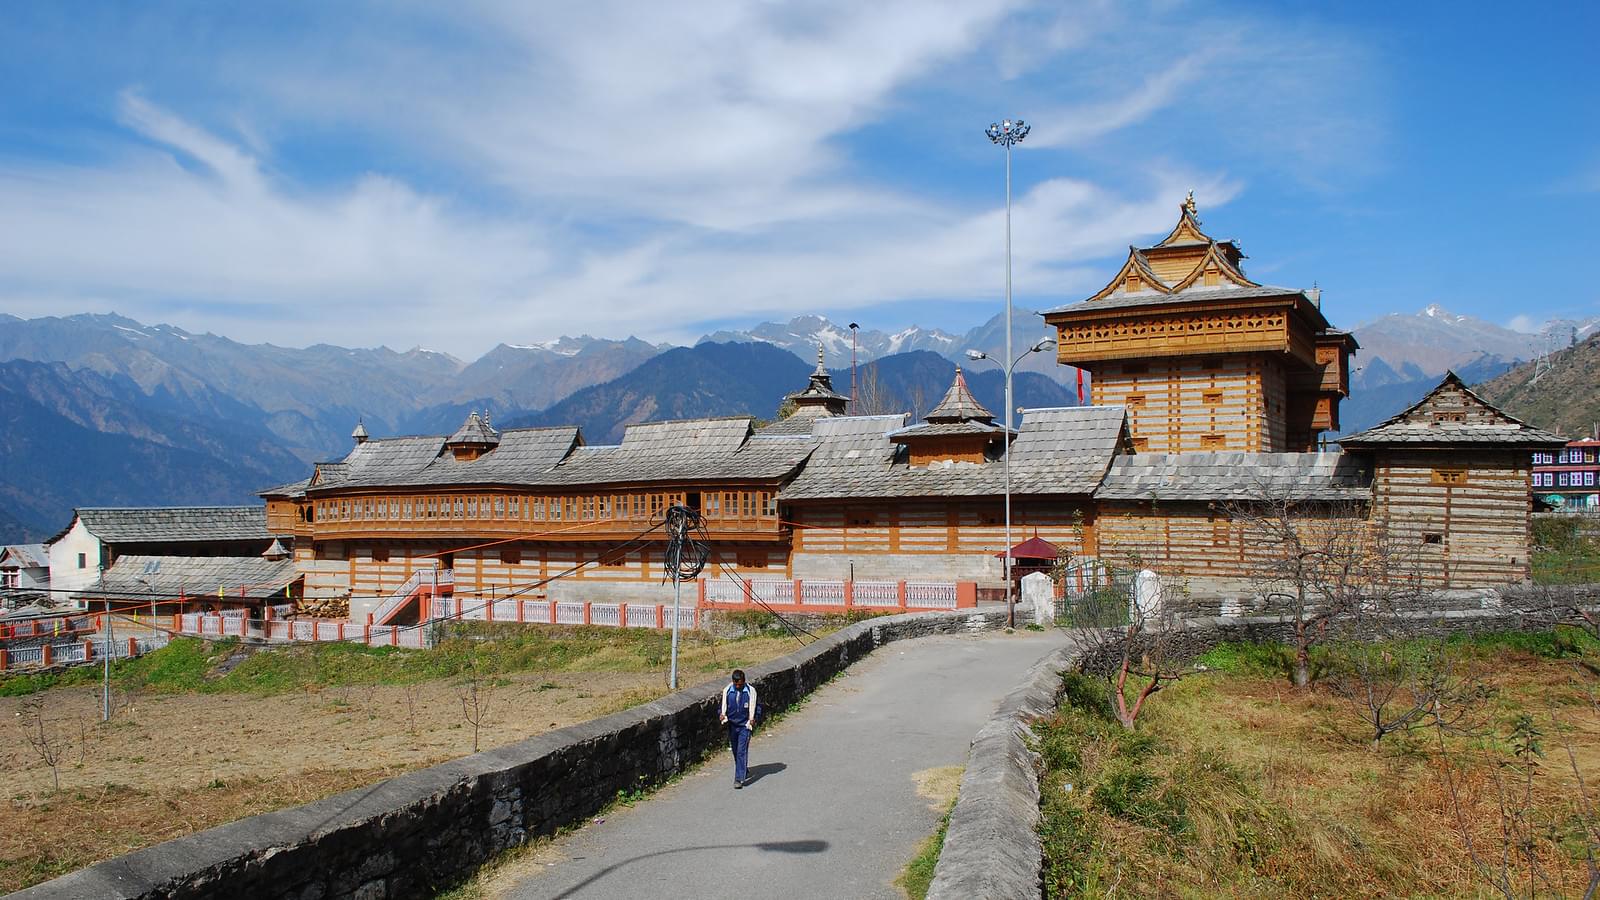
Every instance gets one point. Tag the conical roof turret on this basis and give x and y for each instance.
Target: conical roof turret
(959, 405)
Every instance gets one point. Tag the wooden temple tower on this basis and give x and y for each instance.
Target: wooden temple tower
(1202, 357)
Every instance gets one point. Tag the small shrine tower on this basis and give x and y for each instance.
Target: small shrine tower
(1204, 358)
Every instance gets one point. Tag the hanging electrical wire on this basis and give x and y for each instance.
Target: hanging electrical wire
(687, 543)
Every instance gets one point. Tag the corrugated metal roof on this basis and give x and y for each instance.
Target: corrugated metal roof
(1236, 475)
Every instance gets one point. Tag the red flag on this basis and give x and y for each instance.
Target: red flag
(1080, 387)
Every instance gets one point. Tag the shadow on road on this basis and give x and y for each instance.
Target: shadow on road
(768, 846)
(756, 773)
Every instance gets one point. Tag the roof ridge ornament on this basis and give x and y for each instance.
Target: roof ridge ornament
(1188, 204)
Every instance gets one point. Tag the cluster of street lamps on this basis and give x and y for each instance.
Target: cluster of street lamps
(1008, 133)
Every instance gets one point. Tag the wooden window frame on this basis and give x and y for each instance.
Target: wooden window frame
(1449, 476)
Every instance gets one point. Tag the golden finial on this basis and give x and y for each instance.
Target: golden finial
(1188, 204)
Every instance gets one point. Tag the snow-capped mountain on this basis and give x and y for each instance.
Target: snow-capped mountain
(802, 335)
(1428, 342)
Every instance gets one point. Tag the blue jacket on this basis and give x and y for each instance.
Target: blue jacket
(738, 706)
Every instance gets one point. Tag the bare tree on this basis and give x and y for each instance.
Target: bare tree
(412, 691)
(1145, 652)
(873, 397)
(1314, 561)
(48, 743)
(476, 692)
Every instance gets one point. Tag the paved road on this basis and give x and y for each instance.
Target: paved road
(834, 811)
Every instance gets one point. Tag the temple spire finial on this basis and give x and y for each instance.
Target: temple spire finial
(1188, 204)
(821, 369)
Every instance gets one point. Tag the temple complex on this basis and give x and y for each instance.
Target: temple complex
(1202, 357)
(1210, 392)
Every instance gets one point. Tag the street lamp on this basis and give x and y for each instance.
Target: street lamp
(975, 355)
(1008, 133)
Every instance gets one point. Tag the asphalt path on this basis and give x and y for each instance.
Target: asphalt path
(833, 810)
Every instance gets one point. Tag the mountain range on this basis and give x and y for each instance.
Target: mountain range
(1557, 392)
(156, 414)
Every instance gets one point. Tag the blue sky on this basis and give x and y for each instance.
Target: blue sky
(456, 175)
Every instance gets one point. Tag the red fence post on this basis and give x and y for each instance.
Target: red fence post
(5, 659)
(661, 615)
(552, 612)
(586, 613)
(799, 593)
(488, 609)
(46, 655)
(700, 597)
(900, 586)
(88, 650)
(749, 592)
(133, 647)
(521, 618)
(622, 615)
(849, 595)
(966, 594)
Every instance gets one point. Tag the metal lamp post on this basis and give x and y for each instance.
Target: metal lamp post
(1008, 133)
(975, 355)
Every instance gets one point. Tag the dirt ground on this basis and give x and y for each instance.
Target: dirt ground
(170, 764)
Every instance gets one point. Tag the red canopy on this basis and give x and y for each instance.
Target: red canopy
(1032, 548)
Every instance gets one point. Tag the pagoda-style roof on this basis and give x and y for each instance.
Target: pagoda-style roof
(475, 431)
(1033, 548)
(1452, 415)
(959, 405)
(819, 397)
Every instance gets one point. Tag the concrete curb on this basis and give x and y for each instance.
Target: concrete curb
(415, 834)
(992, 847)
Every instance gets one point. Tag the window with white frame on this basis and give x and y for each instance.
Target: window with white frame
(1588, 479)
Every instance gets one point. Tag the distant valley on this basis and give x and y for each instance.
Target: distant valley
(100, 409)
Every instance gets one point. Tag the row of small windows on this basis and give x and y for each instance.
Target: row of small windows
(1565, 457)
(1563, 479)
(581, 508)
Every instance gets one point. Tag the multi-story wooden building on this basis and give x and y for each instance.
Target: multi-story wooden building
(1202, 357)
(1210, 390)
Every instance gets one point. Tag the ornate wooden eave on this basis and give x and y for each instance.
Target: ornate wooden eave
(1136, 269)
(1214, 260)
(1184, 326)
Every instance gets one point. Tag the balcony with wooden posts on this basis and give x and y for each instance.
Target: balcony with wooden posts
(732, 515)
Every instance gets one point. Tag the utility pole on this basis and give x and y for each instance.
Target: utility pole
(105, 682)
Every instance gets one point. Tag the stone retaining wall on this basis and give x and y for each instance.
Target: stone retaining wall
(992, 847)
(414, 834)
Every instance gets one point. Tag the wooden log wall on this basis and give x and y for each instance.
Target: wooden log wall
(1180, 404)
(937, 528)
(1200, 541)
(1466, 513)
(366, 569)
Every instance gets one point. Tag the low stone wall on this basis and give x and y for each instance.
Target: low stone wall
(992, 847)
(414, 834)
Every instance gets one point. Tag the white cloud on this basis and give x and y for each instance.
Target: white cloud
(620, 167)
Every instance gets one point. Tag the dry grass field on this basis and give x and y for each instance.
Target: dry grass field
(1236, 784)
(191, 746)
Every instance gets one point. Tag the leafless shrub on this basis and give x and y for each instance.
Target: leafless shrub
(44, 737)
(412, 694)
(1142, 654)
(476, 693)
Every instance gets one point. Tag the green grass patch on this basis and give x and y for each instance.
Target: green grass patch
(1564, 552)
(917, 876)
(192, 665)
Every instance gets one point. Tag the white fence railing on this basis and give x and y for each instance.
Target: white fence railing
(410, 586)
(838, 594)
(87, 650)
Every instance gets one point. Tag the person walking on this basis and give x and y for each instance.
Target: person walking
(739, 714)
